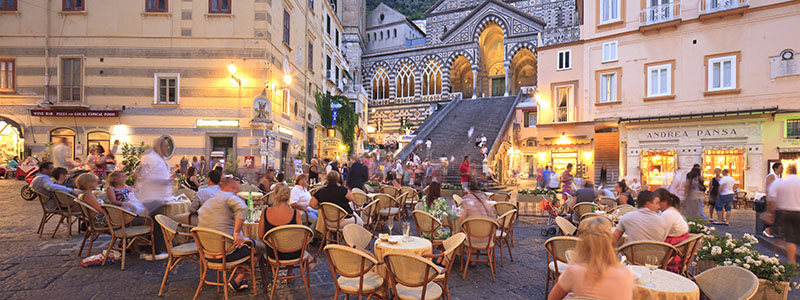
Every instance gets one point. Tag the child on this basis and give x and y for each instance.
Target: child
(120, 194)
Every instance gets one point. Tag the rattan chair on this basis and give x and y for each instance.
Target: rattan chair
(500, 197)
(332, 215)
(188, 251)
(357, 236)
(611, 203)
(425, 189)
(249, 188)
(637, 252)
(355, 271)
(481, 233)
(686, 251)
(315, 189)
(120, 220)
(503, 235)
(501, 208)
(556, 248)
(401, 204)
(266, 199)
(93, 229)
(387, 206)
(624, 209)
(451, 245)
(189, 193)
(288, 239)
(390, 190)
(583, 208)
(457, 199)
(567, 228)
(69, 211)
(411, 199)
(427, 225)
(412, 276)
(369, 215)
(727, 283)
(594, 215)
(47, 212)
(214, 244)
(359, 200)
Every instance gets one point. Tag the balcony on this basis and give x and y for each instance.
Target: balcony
(330, 75)
(660, 16)
(564, 114)
(721, 8)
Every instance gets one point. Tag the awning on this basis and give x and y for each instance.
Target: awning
(751, 112)
(346, 73)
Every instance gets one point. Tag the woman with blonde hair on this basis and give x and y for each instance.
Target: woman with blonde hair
(87, 183)
(278, 215)
(595, 272)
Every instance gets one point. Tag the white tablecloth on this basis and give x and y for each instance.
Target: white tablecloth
(668, 285)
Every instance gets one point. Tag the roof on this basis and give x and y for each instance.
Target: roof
(392, 10)
(458, 25)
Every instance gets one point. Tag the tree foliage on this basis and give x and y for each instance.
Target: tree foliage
(413, 9)
(346, 120)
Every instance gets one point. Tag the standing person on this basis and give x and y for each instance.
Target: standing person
(713, 193)
(773, 177)
(62, 155)
(154, 184)
(116, 148)
(546, 177)
(603, 174)
(99, 166)
(398, 168)
(428, 144)
(359, 174)
(694, 195)
(196, 165)
(203, 166)
(464, 172)
(429, 173)
(416, 158)
(785, 194)
(313, 171)
(184, 164)
(567, 182)
(725, 198)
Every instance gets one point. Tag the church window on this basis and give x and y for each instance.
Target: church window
(405, 81)
(380, 85)
(431, 78)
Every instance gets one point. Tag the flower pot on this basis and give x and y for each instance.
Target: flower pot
(704, 265)
(767, 290)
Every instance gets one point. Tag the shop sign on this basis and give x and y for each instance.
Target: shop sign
(74, 113)
(691, 133)
(217, 123)
(330, 142)
(284, 130)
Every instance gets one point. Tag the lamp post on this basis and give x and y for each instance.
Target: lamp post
(232, 70)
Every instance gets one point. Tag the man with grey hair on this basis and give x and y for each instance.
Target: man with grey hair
(785, 194)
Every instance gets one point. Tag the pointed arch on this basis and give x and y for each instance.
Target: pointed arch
(404, 82)
(431, 77)
(380, 84)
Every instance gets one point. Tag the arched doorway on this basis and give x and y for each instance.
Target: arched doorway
(523, 69)
(11, 140)
(461, 77)
(491, 81)
(66, 133)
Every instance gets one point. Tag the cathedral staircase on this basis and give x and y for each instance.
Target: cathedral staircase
(448, 131)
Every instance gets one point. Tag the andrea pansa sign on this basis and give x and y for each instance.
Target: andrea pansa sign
(681, 133)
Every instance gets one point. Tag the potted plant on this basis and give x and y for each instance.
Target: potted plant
(534, 195)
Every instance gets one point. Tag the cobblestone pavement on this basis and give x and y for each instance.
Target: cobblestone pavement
(49, 268)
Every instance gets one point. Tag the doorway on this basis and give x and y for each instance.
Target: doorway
(221, 150)
(309, 143)
(498, 86)
(284, 156)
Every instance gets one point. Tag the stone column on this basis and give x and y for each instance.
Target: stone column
(445, 83)
(417, 85)
(474, 82)
(507, 67)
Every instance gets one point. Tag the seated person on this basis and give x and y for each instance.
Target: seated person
(44, 185)
(644, 224)
(87, 183)
(475, 203)
(595, 272)
(586, 194)
(281, 214)
(11, 167)
(266, 181)
(119, 194)
(226, 212)
(300, 199)
(434, 204)
(623, 195)
(392, 180)
(334, 192)
(206, 193)
(677, 228)
(191, 179)
(279, 179)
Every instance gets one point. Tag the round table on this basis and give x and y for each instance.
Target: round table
(414, 245)
(171, 209)
(668, 285)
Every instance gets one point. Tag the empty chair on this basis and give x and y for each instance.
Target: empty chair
(503, 235)
(500, 197)
(583, 208)
(556, 248)
(567, 228)
(412, 276)
(390, 190)
(212, 244)
(355, 270)
(503, 207)
(357, 236)
(481, 234)
(170, 228)
(624, 209)
(120, 220)
(47, 212)
(359, 199)
(727, 282)
(387, 206)
(369, 215)
(637, 252)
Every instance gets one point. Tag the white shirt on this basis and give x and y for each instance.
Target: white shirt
(428, 144)
(785, 193)
(416, 159)
(328, 169)
(300, 196)
(398, 169)
(726, 185)
(676, 224)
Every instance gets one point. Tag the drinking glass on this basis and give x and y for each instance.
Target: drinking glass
(651, 263)
(406, 230)
(390, 224)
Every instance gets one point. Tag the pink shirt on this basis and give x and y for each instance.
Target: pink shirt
(617, 283)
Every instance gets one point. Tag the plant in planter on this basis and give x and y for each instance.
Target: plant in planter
(698, 226)
(130, 160)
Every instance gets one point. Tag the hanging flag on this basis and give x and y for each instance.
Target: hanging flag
(335, 112)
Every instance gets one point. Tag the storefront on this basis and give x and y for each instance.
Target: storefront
(12, 142)
(731, 159)
(657, 167)
(562, 151)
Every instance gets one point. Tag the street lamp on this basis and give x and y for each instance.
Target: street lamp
(232, 70)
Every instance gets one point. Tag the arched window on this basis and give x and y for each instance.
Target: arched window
(405, 81)
(57, 134)
(380, 85)
(381, 34)
(95, 138)
(431, 78)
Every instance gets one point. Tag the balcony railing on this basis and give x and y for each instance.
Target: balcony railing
(403, 100)
(661, 13)
(712, 6)
(564, 114)
(431, 98)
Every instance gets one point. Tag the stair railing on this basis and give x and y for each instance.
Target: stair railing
(428, 126)
(506, 125)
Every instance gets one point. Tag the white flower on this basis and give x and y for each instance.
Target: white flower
(738, 261)
(705, 247)
(691, 223)
(727, 263)
(757, 263)
(728, 235)
(781, 267)
(712, 228)
(716, 250)
(748, 245)
(746, 266)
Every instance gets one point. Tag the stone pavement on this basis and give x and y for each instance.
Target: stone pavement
(45, 268)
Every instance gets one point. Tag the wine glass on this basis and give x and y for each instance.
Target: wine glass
(651, 263)
(390, 224)
(406, 230)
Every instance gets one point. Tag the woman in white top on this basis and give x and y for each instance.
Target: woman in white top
(300, 198)
(677, 228)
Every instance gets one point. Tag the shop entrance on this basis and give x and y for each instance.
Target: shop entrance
(284, 157)
(11, 142)
(222, 150)
(731, 159)
(561, 158)
(657, 167)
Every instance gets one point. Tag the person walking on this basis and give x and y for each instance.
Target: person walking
(567, 182)
(713, 193)
(694, 195)
(603, 174)
(358, 174)
(785, 193)
(725, 198)
(62, 155)
(428, 144)
(773, 177)
(464, 171)
(184, 165)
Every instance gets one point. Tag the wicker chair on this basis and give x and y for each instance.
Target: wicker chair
(213, 244)
(369, 215)
(47, 212)
(686, 251)
(355, 271)
(69, 211)
(189, 193)
(412, 276)
(427, 225)
(411, 199)
(359, 200)
(624, 209)
(503, 207)
(637, 252)
(315, 189)
(288, 239)
(481, 234)
(567, 228)
(401, 204)
(500, 197)
(457, 199)
(556, 248)
(93, 230)
(387, 206)
(583, 208)
(594, 215)
(390, 190)
(119, 220)
(451, 245)
(727, 283)
(357, 236)
(188, 251)
(503, 235)
(332, 215)
(611, 203)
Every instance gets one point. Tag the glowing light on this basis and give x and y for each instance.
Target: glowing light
(370, 129)
(587, 155)
(287, 79)
(232, 69)
(120, 129)
(342, 147)
(537, 96)
(563, 140)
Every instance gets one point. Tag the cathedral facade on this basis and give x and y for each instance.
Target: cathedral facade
(470, 49)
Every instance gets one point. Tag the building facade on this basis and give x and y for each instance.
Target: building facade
(217, 76)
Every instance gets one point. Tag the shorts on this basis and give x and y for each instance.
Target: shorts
(239, 253)
(790, 226)
(724, 201)
(465, 186)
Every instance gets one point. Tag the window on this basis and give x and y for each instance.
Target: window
(311, 56)
(381, 34)
(380, 85)
(337, 37)
(610, 51)
(405, 81)
(609, 11)
(71, 79)
(284, 101)
(73, 5)
(722, 73)
(793, 128)
(311, 4)
(153, 5)
(395, 32)
(431, 78)
(8, 5)
(63, 133)
(7, 73)
(286, 27)
(98, 138)
(368, 37)
(530, 118)
(564, 59)
(564, 104)
(167, 88)
(219, 6)
(659, 80)
(337, 75)
(608, 87)
(328, 18)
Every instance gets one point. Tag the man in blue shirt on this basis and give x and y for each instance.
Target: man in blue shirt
(44, 185)
(546, 176)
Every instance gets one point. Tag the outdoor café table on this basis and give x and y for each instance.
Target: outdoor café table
(414, 245)
(668, 285)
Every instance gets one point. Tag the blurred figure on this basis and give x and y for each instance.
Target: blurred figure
(154, 184)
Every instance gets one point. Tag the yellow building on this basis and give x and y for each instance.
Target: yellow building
(216, 75)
